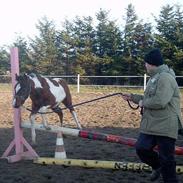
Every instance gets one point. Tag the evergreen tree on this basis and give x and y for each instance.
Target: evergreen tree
(169, 36)
(79, 47)
(179, 40)
(25, 61)
(165, 23)
(165, 36)
(144, 40)
(129, 44)
(107, 43)
(44, 50)
(84, 35)
(137, 39)
(4, 61)
(66, 48)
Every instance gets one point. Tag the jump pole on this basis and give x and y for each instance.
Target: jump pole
(116, 165)
(91, 135)
(19, 142)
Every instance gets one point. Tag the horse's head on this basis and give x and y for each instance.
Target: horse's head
(21, 90)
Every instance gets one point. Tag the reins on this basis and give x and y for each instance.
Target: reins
(85, 102)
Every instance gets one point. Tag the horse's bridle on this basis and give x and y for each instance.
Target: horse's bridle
(23, 97)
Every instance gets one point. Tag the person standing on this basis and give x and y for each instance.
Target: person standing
(161, 118)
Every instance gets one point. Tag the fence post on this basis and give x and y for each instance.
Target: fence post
(145, 80)
(78, 83)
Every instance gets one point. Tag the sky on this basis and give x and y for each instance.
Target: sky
(19, 17)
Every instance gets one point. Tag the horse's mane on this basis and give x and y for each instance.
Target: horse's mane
(33, 75)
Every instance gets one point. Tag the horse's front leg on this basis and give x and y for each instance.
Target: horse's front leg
(43, 116)
(33, 131)
(44, 122)
(74, 115)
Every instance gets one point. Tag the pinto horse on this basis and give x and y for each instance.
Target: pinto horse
(45, 93)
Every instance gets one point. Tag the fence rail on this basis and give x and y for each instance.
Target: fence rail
(141, 84)
(112, 81)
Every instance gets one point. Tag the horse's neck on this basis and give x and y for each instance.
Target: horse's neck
(36, 85)
(35, 81)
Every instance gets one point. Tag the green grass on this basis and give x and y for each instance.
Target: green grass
(104, 89)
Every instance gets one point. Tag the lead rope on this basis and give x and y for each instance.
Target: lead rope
(81, 103)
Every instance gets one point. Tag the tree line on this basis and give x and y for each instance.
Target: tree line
(100, 47)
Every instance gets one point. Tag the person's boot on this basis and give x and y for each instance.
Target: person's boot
(155, 174)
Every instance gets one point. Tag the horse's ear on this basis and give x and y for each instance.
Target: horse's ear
(25, 75)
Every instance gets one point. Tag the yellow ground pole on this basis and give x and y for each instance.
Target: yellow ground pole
(125, 166)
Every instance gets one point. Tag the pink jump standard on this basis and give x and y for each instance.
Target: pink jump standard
(18, 144)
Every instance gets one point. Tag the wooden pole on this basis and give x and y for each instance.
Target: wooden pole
(92, 135)
(116, 165)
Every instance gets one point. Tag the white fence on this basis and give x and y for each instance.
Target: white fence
(78, 78)
(125, 86)
(140, 81)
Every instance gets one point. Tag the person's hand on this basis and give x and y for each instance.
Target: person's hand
(127, 96)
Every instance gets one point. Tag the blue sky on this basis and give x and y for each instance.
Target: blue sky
(21, 16)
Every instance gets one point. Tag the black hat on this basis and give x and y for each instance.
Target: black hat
(154, 57)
